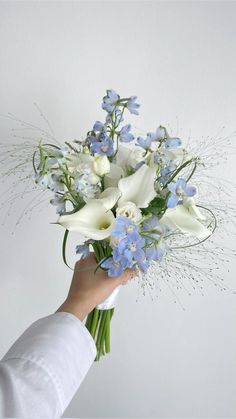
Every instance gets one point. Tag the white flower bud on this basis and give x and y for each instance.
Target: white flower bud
(101, 165)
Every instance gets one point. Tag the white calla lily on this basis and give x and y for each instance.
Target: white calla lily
(138, 188)
(108, 198)
(189, 203)
(182, 219)
(129, 157)
(93, 221)
(113, 177)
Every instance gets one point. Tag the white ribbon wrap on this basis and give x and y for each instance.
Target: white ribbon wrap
(110, 301)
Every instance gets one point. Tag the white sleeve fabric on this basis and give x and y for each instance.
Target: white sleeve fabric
(41, 372)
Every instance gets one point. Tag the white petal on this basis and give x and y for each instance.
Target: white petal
(180, 218)
(189, 203)
(113, 177)
(92, 221)
(139, 187)
(122, 155)
(108, 198)
(127, 157)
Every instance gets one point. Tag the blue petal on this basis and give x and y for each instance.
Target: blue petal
(172, 201)
(190, 190)
(172, 187)
(181, 183)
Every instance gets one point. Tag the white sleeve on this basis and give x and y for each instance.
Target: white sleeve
(41, 372)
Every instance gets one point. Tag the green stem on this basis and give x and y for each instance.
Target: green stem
(89, 320)
(107, 337)
(105, 331)
(101, 334)
(177, 171)
(94, 322)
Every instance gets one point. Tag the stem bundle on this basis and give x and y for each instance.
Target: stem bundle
(98, 324)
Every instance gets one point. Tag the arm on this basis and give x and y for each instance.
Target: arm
(43, 369)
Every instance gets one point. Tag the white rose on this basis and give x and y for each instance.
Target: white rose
(101, 165)
(130, 210)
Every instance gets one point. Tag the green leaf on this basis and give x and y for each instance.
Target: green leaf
(156, 206)
(64, 248)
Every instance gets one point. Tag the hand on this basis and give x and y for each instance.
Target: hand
(88, 289)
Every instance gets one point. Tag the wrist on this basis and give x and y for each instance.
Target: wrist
(79, 308)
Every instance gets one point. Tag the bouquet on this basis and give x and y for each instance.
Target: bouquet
(131, 198)
(127, 196)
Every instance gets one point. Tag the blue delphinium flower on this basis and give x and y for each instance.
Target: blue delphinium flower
(123, 227)
(60, 204)
(165, 140)
(50, 181)
(115, 268)
(134, 248)
(99, 127)
(153, 224)
(127, 244)
(117, 117)
(158, 135)
(56, 182)
(144, 143)
(179, 190)
(125, 135)
(155, 252)
(110, 101)
(132, 106)
(173, 142)
(166, 172)
(156, 232)
(85, 186)
(83, 249)
(104, 147)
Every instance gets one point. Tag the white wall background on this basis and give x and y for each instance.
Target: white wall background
(179, 58)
